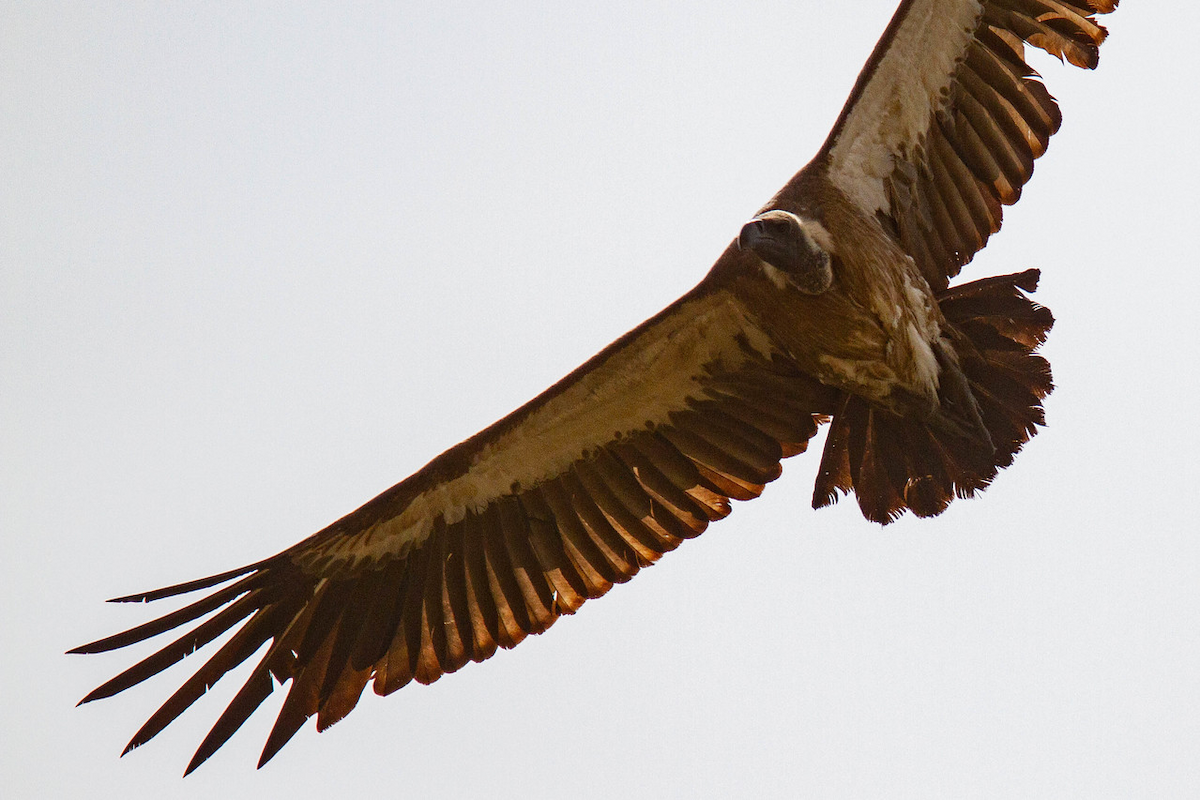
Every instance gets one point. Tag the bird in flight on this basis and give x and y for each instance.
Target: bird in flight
(833, 304)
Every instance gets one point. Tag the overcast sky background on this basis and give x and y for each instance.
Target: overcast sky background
(259, 264)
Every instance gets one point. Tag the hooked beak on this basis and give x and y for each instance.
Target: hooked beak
(751, 234)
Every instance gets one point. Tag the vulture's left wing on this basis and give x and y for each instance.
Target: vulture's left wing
(946, 119)
(637, 450)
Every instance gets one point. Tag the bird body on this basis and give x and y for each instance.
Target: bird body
(832, 305)
(872, 332)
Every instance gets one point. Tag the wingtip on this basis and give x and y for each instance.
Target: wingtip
(137, 741)
(267, 755)
(286, 726)
(274, 745)
(91, 648)
(131, 598)
(202, 754)
(94, 694)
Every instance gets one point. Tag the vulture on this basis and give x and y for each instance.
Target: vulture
(832, 305)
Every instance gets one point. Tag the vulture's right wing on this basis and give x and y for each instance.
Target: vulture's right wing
(946, 119)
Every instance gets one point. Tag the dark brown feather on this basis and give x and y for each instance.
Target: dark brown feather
(789, 429)
(597, 570)
(1016, 164)
(570, 586)
(624, 558)
(536, 591)
(301, 702)
(357, 606)
(431, 652)
(982, 207)
(170, 621)
(232, 653)
(691, 517)
(663, 531)
(833, 474)
(190, 586)
(258, 687)
(640, 539)
(681, 471)
(397, 666)
(502, 582)
(382, 619)
(181, 647)
(1017, 133)
(485, 619)
(1036, 23)
(718, 450)
(455, 598)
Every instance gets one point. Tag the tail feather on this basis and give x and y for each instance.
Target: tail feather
(894, 464)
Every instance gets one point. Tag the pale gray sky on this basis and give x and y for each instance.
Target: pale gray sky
(258, 264)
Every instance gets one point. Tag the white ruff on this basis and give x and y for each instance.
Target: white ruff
(775, 275)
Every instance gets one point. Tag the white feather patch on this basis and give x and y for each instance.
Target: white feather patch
(893, 112)
(642, 382)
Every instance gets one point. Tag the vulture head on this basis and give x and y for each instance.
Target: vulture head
(779, 239)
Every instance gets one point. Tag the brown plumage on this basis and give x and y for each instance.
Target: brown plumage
(832, 304)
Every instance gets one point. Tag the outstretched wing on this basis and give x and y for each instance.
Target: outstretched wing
(637, 450)
(946, 119)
